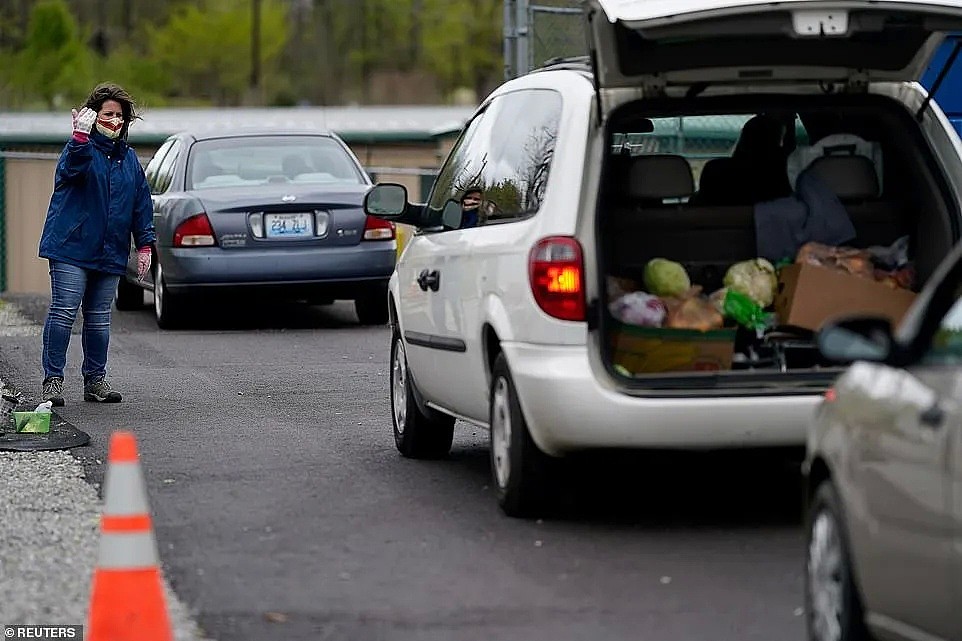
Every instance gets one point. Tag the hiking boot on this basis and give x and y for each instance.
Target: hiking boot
(100, 392)
(53, 391)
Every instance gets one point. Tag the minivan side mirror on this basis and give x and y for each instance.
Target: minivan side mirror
(860, 338)
(386, 200)
(389, 201)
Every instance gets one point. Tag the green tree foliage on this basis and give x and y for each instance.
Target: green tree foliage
(147, 80)
(53, 65)
(461, 42)
(205, 52)
(199, 51)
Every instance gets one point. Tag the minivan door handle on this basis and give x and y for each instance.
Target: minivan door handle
(429, 280)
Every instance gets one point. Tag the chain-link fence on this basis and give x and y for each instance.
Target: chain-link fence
(535, 32)
(538, 31)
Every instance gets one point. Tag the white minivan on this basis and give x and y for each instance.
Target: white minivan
(589, 168)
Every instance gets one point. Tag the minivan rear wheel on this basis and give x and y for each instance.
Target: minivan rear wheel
(833, 607)
(416, 434)
(522, 473)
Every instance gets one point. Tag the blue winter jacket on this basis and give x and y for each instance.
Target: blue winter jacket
(100, 198)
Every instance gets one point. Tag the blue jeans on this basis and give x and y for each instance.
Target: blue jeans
(71, 287)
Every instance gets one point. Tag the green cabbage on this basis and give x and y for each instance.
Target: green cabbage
(666, 278)
(754, 278)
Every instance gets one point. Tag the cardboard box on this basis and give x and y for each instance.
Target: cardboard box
(809, 295)
(653, 350)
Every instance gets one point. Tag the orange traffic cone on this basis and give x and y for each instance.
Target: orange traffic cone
(127, 601)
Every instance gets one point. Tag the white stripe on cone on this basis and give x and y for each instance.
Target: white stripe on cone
(128, 551)
(124, 493)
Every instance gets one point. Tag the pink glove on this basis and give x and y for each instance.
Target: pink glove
(83, 122)
(143, 262)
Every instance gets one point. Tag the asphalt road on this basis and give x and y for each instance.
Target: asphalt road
(275, 487)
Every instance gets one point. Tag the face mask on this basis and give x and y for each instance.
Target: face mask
(110, 127)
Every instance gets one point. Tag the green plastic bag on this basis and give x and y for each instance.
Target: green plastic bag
(744, 311)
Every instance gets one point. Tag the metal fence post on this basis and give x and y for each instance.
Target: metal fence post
(3, 223)
(522, 24)
(510, 41)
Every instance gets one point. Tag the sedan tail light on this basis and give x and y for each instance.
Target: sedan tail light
(377, 229)
(195, 232)
(556, 275)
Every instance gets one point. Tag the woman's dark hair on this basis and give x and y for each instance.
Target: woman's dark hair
(109, 91)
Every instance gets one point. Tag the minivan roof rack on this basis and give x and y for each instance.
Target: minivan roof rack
(574, 63)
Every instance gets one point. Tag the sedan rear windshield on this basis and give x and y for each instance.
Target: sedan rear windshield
(238, 162)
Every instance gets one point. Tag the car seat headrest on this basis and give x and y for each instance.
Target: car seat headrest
(658, 177)
(850, 177)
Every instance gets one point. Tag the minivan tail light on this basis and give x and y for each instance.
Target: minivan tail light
(195, 232)
(556, 275)
(377, 229)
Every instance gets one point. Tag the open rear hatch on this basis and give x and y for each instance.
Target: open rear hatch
(678, 48)
(662, 44)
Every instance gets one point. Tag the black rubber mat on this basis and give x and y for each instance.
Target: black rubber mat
(62, 436)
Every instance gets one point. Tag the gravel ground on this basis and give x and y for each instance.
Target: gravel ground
(49, 530)
(13, 323)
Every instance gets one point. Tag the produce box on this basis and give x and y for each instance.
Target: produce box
(810, 295)
(32, 422)
(654, 350)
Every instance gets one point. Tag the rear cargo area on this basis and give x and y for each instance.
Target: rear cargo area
(731, 230)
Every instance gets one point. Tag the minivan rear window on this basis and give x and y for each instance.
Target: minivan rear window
(698, 138)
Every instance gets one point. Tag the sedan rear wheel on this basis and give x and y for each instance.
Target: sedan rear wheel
(834, 607)
(167, 306)
(129, 296)
(371, 307)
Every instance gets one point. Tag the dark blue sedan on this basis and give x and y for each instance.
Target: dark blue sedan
(262, 215)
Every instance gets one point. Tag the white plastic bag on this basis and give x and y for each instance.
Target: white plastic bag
(639, 308)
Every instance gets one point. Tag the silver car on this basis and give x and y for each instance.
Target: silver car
(884, 472)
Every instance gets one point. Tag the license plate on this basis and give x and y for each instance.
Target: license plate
(288, 225)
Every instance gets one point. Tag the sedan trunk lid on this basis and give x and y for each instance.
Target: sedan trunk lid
(302, 215)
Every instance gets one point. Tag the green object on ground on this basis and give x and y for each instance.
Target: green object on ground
(32, 422)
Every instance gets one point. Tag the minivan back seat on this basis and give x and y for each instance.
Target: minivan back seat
(709, 239)
(854, 180)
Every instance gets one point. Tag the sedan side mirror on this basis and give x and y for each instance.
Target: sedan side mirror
(862, 338)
